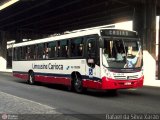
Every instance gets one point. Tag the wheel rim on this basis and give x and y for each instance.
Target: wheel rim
(78, 85)
(30, 79)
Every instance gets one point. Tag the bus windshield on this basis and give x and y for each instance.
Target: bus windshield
(122, 53)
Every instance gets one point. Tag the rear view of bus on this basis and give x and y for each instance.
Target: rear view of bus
(121, 60)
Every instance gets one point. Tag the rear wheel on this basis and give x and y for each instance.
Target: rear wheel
(31, 78)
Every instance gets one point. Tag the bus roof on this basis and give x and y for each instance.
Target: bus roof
(67, 35)
(60, 37)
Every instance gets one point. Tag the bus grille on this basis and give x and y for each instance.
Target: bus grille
(126, 77)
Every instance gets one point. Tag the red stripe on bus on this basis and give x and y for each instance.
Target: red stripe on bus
(51, 79)
(104, 84)
(46, 79)
(22, 76)
(92, 84)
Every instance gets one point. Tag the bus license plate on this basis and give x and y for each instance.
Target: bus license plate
(127, 83)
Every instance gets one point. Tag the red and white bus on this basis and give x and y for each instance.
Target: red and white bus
(102, 59)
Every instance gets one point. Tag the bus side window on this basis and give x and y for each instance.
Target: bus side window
(73, 52)
(64, 48)
(32, 52)
(18, 53)
(15, 54)
(23, 51)
(80, 50)
(58, 49)
(28, 53)
(77, 47)
(40, 51)
(45, 51)
(51, 49)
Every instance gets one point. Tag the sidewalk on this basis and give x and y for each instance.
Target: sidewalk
(15, 105)
(7, 70)
(154, 83)
(16, 108)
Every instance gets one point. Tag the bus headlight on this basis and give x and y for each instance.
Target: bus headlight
(142, 70)
(108, 74)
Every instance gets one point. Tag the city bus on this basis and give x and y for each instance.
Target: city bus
(101, 59)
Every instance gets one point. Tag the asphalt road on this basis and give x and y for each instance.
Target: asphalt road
(144, 100)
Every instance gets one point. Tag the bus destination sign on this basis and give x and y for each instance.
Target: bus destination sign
(118, 33)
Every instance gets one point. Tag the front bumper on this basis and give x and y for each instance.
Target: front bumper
(109, 84)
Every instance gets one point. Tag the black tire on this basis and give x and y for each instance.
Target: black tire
(77, 84)
(31, 80)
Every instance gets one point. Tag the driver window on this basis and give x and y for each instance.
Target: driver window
(118, 50)
(108, 49)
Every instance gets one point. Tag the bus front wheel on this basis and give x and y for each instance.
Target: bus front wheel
(31, 78)
(78, 85)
